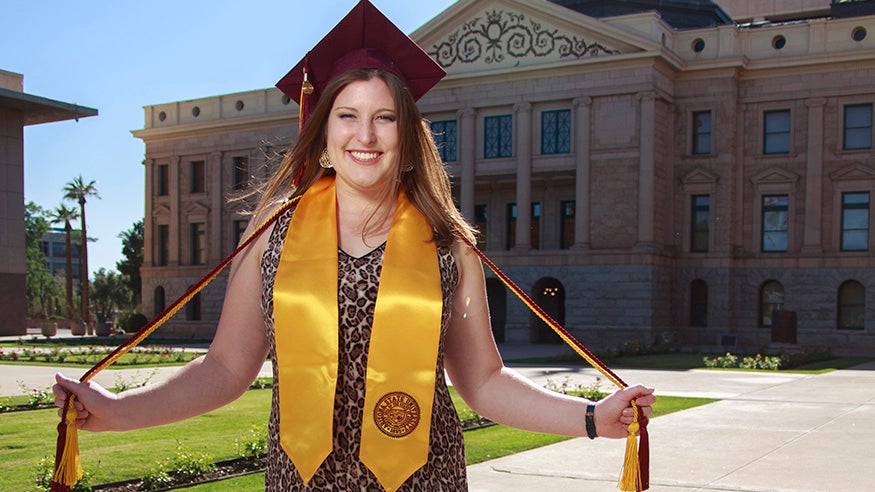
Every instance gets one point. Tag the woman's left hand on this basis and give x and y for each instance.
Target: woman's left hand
(614, 414)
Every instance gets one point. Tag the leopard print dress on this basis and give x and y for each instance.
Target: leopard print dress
(358, 279)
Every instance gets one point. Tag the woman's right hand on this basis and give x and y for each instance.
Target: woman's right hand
(92, 403)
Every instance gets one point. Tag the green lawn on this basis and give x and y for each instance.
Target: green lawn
(25, 437)
(28, 436)
(480, 444)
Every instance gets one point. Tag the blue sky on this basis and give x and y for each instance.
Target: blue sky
(118, 56)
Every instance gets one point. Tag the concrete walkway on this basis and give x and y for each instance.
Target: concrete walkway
(769, 432)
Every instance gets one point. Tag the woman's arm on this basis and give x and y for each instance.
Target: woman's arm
(500, 394)
(234, 359)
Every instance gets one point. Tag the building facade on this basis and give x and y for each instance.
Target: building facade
(648, 177)
(54, 246)
(17, 110)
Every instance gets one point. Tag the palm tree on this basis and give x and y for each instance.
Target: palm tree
(65, 215)
(78, 190)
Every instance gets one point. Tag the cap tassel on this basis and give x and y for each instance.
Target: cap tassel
(636, 464)
(303, 113)
(68, 468)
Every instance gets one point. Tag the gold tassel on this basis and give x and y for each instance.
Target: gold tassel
(630, 479)
(69, 467)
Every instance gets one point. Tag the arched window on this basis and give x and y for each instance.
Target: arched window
(159, 300)
(193, 308)
(852, 305)
(771, 301)
(550, 295)
(698, 303)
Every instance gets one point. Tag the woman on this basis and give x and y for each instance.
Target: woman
(362, 295)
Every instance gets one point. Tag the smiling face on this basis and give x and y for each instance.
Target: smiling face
(362, 136)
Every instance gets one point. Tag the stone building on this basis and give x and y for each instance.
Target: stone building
(17, 110)
(648, 171)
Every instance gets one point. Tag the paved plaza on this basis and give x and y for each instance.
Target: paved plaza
(768, 432)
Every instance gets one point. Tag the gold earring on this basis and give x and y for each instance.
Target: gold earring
(407, 168)
(324, 160)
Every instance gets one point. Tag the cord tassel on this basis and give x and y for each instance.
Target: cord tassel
(636, 467)
(68, 468)
(635, 476)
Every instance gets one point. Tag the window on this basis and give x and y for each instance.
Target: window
(556, 132)
(239, 229)
(700, 223)
(771, 301)
(702, 132)
(197, 177)
(198, 244)
(855, 221)
(480, 221)
(241, 172)
(775, 220)
(858, 127)
(534, 225)
(498, 136)
(567, 233)
(163, 253)
(511, 225)
(159, 301)
(193, 308)
(852, 306)
(698, 303)
(59, 250)
(444, 133)
(162, 184)
(776, 132)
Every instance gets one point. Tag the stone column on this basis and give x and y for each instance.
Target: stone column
(148, 224)
(215, 166)
(467, 139)
(813, 237)
(524, 175)
(646, 168)
(174, 235)
(583, 165)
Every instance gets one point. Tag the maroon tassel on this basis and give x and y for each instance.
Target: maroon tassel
(644, 453)
(62, 437)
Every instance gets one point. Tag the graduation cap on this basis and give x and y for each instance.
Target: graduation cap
(365, 38)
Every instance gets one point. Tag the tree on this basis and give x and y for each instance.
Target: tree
(110, 294)
(40, 286)
(64, 215)
(132, 249)
(78, 190)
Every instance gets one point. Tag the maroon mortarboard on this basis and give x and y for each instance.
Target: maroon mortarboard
(365, 38)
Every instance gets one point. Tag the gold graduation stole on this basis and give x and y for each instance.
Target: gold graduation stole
(403, 351)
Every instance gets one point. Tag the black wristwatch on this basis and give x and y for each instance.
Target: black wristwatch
(590, 421)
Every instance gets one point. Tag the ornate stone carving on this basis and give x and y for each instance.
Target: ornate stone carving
(502, 35)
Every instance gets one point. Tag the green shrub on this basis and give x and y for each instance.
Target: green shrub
(253, 446)
(186, 466)
(592, 392)
(759, 361)
(134, 322)
(45, 471)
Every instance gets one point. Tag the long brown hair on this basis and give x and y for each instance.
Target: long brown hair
(427, 185)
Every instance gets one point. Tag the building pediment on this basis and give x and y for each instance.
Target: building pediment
(774, 176)
(699, 176)
(853, 172)
(196, 208)
(161, 211)
(475, 36)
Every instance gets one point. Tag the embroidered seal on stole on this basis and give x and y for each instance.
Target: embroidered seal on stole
(396, 414)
